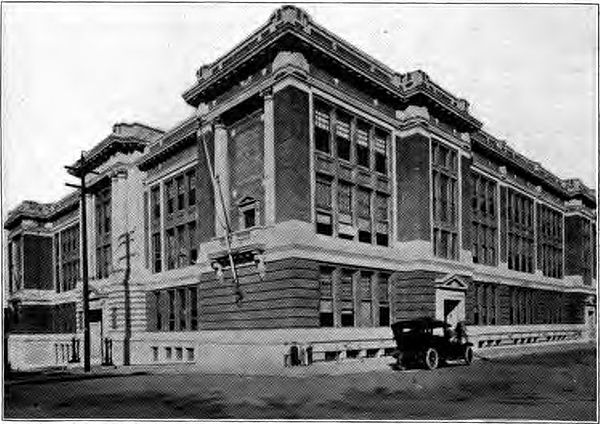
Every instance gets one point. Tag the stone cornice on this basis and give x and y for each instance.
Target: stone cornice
(567, 189)
(43, 212)
(125, 138)
(294, 22)
(171, 142)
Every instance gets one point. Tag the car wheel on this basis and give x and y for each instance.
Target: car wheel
(432, 359)
(468, 355)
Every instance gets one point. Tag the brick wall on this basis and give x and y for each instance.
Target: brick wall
(413, 294)
(412, 173)
(206, 202)
(292, 160)
(287, 297)
(246, 152)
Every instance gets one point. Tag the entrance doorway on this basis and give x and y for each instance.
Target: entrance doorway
(96, 331)
(451, 311)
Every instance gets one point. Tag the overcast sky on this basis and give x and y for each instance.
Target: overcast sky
(69, 71)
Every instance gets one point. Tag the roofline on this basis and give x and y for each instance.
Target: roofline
(55, 209)
(115, 140)
(294, 21)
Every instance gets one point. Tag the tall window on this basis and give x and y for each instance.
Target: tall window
(17, 255)
(171, 310)
(586, 251)
(191, 187)
(69, 257)
(445, 201)
(520, 231)
(155, 226)
(381, 142)
(343, 207)
(384, 300)
(382, 227)
(345, 227)
(103, 233)
(170, 196)
(550, 241)
(179, 221)
(347, 299)
(182, 247)
(484, 231)
(322, 129)
(362, 146)
(326, 297)
(179, 182)
(363, 200)
(521, 310)
(193, 291)
(486, 304)
(156, 253)
(193, 240)
(323, 203)
(366, 307)
(182, 298)
(155, 202)
(57, 265)
(342, 136)
(176, 309)
(171, 249)
(158, 309)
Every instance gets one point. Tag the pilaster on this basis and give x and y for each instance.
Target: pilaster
(91, 235)
(336, 301)
(269, 158)
(222, 175)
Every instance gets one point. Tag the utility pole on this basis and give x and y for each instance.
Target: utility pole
(126, 241)
(82, 172)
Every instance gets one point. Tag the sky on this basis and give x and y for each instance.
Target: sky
(70, 71)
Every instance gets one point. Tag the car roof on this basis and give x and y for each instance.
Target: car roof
(421, 322)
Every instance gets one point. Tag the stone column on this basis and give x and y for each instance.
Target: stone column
(222, 173)
(375, 299)
(119, 219)
(91, 235)
(269, 158)
(336, 303)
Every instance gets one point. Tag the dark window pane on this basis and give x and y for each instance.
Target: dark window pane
(326, 319)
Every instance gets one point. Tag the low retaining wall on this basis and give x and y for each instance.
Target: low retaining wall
(257, 351)
(32, 351)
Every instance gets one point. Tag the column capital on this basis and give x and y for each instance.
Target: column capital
(218, 124)
(267, 93)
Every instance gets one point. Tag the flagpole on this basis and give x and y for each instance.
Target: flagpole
(216, 183)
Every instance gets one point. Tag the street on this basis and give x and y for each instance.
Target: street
(544, 386)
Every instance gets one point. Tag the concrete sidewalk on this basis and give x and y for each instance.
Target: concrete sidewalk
(347, 366)
(351, 366)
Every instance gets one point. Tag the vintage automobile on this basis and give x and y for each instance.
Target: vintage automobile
(430, 343)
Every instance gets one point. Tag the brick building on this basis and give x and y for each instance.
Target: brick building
(356, 196)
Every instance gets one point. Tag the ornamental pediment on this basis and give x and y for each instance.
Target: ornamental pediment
(452, 282)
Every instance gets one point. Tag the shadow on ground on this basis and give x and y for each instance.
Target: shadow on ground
(551, 386)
